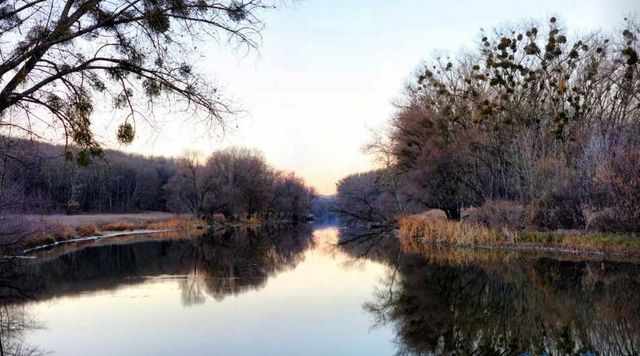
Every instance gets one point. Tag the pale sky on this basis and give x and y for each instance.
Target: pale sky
(327, 72)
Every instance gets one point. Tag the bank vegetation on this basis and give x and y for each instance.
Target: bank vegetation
(535, 135)
(231, 186)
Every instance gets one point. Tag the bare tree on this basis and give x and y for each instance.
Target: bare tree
(59, 57)
(533, 116)
(186, 187)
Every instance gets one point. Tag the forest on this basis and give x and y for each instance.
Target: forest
(534, 129)
(36, 177)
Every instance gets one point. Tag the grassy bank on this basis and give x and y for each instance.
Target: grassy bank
(43, 230)
(38, 230)
(419, 231)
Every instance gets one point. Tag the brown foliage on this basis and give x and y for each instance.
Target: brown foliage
(604, 221)
(557, 210)
(499, 214)
(624, 179)
(121, 226)
(534, 116)
(86, 230)
(417, 230)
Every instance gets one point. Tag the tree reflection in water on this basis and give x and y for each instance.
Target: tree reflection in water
(489, 302)
(438, 301)
(217, 265)
(14, 321)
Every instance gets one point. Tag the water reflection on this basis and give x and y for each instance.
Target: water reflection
(302, 289)
(483, 302)
(216, 265)
(14, 322)
(246, 292)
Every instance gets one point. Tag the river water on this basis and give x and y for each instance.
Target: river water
(295, 292)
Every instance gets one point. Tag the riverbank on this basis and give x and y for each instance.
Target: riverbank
(419, 231)
(38, 231)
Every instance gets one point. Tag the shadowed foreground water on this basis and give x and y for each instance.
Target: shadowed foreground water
(291, 292)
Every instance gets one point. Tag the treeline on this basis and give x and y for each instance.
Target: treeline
(236, 182)
(534, 123)
(36, 178)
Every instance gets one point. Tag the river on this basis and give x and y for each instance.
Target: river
(294, 291)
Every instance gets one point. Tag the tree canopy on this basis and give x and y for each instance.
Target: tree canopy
(60, 58)
(533, 116)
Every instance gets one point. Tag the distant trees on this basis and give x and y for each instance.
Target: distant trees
(235, 182)
(533, 116)
(185, 189)
(290, 196)
(36, 178)
(60, 58)
(365, 198)
(238, 182)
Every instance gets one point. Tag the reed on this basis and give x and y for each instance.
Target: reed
(447, 232)
(417, 232)
(122, 226)
(177, 224)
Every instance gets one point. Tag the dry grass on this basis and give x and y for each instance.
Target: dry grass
(446, 232)
(49, 229)
(177, 224)
(417, 232)
(44, 234)
(122, 226)
(75, 221)
(620, 243)
(86, 230)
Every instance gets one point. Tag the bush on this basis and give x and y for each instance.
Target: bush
(557, 210)
(603, 221)
(623, 177)
(499, 215)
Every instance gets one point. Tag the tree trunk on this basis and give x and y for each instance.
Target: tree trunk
(453, 213)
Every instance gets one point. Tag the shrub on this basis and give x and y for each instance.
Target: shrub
(603, 221)
(557, 210)
(499, 215)
(622, 175)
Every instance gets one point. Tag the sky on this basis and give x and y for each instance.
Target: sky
(327, 72)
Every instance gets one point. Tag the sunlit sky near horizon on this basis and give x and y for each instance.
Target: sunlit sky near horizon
(328, 71)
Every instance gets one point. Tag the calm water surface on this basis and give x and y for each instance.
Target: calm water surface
(292, 292)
